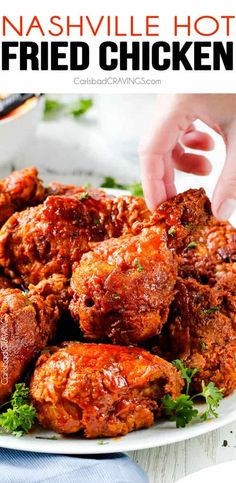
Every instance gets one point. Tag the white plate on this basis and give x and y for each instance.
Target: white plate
(160, 434)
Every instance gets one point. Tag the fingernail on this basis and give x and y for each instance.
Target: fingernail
(226, 209)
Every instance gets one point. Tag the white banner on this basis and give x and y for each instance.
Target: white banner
(115, 47)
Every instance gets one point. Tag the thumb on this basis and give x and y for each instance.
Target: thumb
(224, 197)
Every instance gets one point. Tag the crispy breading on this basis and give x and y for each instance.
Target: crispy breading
(100, 389)
(27, 324)
(202, 330)
(123, 288)
(19, 190)
(49, 238)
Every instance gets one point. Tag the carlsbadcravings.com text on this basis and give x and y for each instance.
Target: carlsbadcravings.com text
(125, 56)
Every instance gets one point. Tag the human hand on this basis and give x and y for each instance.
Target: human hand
(172, 129)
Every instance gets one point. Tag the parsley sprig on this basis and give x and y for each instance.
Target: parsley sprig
(186, 373)
(181, 409)
(134, 188)
(20, 416)
(54, 107)
(212, 396)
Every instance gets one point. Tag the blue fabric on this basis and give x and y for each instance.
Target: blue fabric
(26, 467)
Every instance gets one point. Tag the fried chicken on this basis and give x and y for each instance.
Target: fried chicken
(27, 324)
(214, 252)
(183, 218)
(100, 389)
(48, 238)
(202, 330)
(123, 288)
(19, 190)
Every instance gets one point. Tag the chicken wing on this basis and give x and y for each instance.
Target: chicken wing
(27, 323)
(19, 190)
(100, 389)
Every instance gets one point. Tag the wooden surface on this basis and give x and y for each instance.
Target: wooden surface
(169, 463)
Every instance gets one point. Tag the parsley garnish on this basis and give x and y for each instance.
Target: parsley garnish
(211, 310)
(19, 418)
(109, 182)
(53, 438)
(52, 107)
(138, 265)
(172, 231)
(186, 373)
(81, 107)
(134, 188)
(84, 196)
(103, 442)
(96, 221)
(192, 244)
(202, 344)
(212, 396)
(181, 409)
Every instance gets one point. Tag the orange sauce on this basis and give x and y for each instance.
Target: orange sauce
(19, 110)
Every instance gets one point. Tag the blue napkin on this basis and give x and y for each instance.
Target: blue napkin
(26, 467)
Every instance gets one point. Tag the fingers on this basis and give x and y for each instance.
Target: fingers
(171, 121)
(190, 163)
(224, 197)
(197, 140)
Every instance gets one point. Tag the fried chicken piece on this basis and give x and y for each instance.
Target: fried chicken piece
(183, 217)
(101, 389)
(48, 238)
(215, 252)
(27, 323)
(19, 190)
(123, 288)
(202, 330)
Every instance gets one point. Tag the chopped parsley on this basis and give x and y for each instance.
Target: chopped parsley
(103, 442)
(84, 196)
(138, 265)
(172, 231)
(202, 344)
(96, 221)
(211, 310)
(192, 244)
